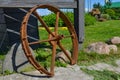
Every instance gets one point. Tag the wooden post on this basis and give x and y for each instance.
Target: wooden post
(79, 21)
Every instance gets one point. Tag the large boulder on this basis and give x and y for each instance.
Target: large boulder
(101, 48)
(16, 60)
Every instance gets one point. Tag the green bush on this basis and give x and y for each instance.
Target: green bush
(117, 12)
(89, 20)
(111, 12)
(105, 16)
(51, 18)
(70, 16)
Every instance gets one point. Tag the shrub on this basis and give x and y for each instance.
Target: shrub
(117, 12)
(70, 16)
(105, 16)
(51, 18)
(89, 20)
(110, 12)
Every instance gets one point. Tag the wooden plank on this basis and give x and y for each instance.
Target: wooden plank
(7, 1)
(31, 3)
(2, 28)
(3, 34)
(13, 18)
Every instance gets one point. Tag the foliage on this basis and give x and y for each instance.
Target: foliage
(99, 6)
(70, 16)
(114, 13)
(51, 18)
(105, 16)
(108, 3)
(111, 13)
(89, 20)
(117, 12)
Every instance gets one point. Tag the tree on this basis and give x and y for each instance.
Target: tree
(99, 6)
(108, 3)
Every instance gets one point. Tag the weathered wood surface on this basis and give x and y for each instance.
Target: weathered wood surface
(31, 3)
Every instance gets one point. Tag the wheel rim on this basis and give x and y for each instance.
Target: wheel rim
(54, 38)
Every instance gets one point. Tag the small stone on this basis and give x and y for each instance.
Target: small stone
(115, 40)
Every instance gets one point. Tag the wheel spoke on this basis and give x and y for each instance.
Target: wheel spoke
(66, 53)
(56, 23)
(53, 57)
(68, 36)
(43, 23)
(41, 41)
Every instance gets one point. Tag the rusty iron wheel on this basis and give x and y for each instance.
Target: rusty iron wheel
(54, 38)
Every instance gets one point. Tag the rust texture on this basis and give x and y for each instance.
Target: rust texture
(54, 38)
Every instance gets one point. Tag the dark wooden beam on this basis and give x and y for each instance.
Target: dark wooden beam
(31, 3)
(79, 21)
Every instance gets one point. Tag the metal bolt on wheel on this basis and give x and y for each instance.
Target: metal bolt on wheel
(54, 38)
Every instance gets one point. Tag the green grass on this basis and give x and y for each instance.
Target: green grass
(103, 75)
(86, 59)
(2, 55)
(100, 32)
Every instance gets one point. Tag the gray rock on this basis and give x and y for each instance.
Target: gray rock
(115, 40)
(101, 48)
(118, 62)
(113, 48)
(62, 57)
(98, 47)
(15, 59)
(1, 66)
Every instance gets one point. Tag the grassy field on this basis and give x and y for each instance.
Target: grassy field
(100, 32)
